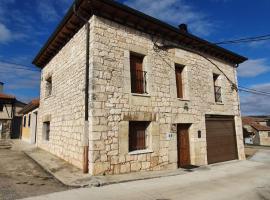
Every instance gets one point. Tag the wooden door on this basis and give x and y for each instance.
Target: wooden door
(183, 145)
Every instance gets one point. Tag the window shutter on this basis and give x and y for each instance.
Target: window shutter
(179, 81)
(137, 74)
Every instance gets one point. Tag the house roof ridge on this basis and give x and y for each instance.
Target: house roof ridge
(70, 25)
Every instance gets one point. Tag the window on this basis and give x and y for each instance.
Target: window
(29, 120)
(268, 134)
(217, 89)
(138, 76)
(46, 131)
(24, 121)
(48, 86)
(1, 107)
(179, 80)
(137, 135)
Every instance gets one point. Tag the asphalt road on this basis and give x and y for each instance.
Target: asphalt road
(20, 177)
(240, 180)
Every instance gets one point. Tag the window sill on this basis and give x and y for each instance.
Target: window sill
(180, 99)
(49, 96)
(140, 95)
(219, 103)
(144, 151)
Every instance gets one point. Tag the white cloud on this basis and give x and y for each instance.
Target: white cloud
(253, 68)
(252, 104)
(175, 12)
(5, 34)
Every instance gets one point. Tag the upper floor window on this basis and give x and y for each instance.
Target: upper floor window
(29, 120)
(48, 86)
(137, 135)
(1, 107)
(138, 76)
(217, 88)
(179, 80)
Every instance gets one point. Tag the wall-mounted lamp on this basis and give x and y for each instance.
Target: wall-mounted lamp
(186, 107)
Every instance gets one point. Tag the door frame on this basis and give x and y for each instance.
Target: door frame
(188, 125)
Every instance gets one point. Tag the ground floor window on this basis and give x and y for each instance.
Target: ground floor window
(137, 135)
(46, 131)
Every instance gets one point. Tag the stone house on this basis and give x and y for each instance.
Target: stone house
(256, 131)
(29, 121)
(10, 120)
(124, 92)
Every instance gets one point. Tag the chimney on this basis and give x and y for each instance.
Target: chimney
(1, 87)
(183, 28)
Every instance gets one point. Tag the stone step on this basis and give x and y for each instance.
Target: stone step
(5, 144)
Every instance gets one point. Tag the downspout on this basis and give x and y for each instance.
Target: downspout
(236, 89)
(86, 93)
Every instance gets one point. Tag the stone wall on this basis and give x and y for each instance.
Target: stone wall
(113, 105)
(64, 108)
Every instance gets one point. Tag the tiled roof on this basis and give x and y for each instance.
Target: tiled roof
(254, 122)
(30, 106)
(6, 96)
(117, 12)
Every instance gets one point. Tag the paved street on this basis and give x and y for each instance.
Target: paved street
(232, 180)
(20, 177)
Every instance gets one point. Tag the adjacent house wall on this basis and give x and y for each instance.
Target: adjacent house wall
(7, 112)
(114, 106)
(265, 138)
(29, 132)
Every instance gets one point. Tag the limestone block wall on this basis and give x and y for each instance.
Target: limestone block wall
(64, 108)
(113, 105)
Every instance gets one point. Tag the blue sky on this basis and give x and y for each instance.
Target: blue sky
(26, 25)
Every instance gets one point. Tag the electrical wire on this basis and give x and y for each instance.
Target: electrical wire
(245, 40)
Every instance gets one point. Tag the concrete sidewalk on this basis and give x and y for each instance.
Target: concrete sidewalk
(64, 172)
(72, 176)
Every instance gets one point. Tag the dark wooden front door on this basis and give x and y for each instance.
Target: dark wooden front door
(183, 145)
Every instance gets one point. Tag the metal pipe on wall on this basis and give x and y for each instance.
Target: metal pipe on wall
(86, 94)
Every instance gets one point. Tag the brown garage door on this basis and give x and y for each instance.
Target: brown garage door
(221, 139)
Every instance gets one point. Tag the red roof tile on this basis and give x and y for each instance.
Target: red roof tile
(254, 122)
(6, 96)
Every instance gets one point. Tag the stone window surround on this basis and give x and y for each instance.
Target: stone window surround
(220, 83)
(185, 79)
(152, 143)
(137, 49)
(46, 118)
(48, 76)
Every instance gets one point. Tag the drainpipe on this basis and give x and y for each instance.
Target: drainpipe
(86, 95)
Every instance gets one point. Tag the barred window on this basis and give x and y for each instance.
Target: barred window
(138, 76)
(217, 89)
(137, 135)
